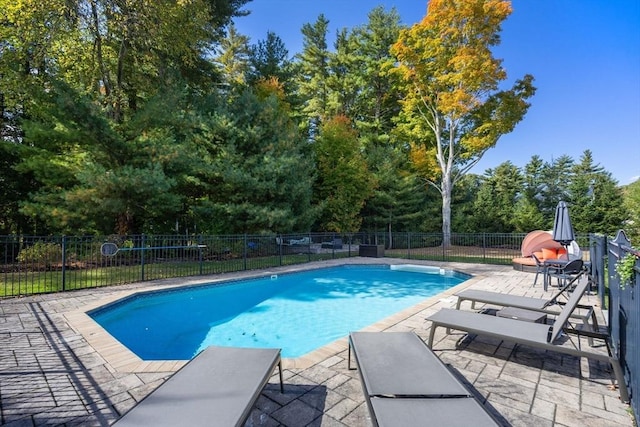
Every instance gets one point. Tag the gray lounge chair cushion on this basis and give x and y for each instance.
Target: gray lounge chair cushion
(504, 300)
(217, 388)
(463, 412)
(405, 384)
(394, 364)
(483, 324)
(527, 303)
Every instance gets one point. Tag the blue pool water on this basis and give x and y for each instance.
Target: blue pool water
(297, 312)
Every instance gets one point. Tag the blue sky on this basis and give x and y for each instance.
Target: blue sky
(584, 55)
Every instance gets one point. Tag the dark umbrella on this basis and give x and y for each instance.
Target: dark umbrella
(562, 228)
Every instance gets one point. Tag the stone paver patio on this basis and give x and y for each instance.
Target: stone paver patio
(57, 368)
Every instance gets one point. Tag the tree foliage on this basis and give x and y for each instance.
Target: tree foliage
(452, 108)
(631, 195)
(92, 177)
(313, 74)
(496, 201)
(378, 93)
(596, 203)
(260, 174)
(269, 58)
(344, 182)
(88, 85)
(398, 201)
(158, 117)
(234, 57)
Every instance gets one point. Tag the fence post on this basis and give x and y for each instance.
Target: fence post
(200, 257)
(408, 245)
(333, 246)
(244, 251)
(484, 246)
(597, 258)
(142, 250)
(616, 316)
(602, 259)
(64, 262)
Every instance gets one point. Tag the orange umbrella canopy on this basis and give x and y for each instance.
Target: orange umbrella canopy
(536, 240)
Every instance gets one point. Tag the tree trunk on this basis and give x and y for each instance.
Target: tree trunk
(124, 223)
(446, 210)
(105, 79)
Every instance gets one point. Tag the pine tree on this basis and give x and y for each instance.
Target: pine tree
(313, 74)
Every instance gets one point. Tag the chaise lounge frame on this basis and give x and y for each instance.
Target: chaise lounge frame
(405, 384)
(542, 336)
(217, 388)
(550, 306)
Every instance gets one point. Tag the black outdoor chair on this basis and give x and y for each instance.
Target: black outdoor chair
(540, 268)
(565, 273)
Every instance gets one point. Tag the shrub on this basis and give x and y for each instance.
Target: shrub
(41, 253)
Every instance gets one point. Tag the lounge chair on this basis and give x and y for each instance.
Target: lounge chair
(536, 335)
(333, 244)
(217, 388)
(302, 241)
(549, 306)
(405, 384)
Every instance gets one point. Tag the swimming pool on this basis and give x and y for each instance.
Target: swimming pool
(297, 312)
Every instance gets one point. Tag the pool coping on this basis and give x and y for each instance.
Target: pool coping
(121, 359)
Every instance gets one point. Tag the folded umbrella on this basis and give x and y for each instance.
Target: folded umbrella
(562, 228)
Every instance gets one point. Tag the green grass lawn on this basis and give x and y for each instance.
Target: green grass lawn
(35, 282)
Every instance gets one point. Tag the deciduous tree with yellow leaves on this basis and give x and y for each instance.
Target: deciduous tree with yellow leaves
(453, 108)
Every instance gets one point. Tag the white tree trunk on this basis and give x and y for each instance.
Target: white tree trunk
(446, 208)
(445, 156)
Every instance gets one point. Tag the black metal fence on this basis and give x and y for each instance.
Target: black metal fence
(37, 264)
